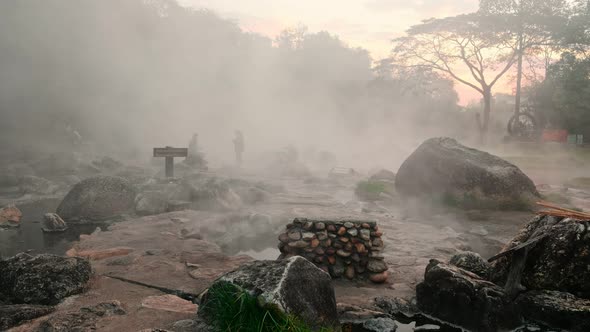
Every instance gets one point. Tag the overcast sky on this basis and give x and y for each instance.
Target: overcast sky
(370, 24)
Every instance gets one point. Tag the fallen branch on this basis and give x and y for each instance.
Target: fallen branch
(557, 211)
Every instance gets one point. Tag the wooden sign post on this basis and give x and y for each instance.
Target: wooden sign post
(169, 153)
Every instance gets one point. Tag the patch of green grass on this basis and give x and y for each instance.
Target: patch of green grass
(231, 309)
(370, 190)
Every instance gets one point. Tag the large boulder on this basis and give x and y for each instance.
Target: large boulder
(42, 279)
(441, 168)
(98, 198)
(557, 262)
(460, 297)
(293, 286)
(556, 309)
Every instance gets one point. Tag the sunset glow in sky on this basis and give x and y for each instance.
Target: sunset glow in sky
(370, 24)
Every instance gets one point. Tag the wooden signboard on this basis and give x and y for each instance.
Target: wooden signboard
(169, 153)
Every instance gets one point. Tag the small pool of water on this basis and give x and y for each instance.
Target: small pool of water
(30, 237)
(265, 254)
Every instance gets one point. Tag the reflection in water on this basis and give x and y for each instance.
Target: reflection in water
(29, 235)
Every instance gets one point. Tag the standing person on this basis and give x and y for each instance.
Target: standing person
(239, 146)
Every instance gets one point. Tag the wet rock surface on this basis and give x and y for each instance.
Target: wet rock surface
(294, 286)
(472, 262)
(463, 298)
(13, 315)
(98, 198)
(462, 176)
(84, 319)
(559, 261)
(42, 279)
(556, 309)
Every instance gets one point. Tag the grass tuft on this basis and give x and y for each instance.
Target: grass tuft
(231, 309)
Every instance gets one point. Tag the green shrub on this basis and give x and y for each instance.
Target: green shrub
(230, 309)
(370, 190)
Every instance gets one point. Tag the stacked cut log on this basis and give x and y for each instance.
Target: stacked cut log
(344, 249)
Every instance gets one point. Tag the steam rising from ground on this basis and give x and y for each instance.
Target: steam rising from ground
(132, 75)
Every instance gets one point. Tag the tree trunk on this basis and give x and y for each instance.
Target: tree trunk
(518, 77)
(487, 107)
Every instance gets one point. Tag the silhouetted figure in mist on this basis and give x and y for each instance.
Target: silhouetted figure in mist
(239, 146)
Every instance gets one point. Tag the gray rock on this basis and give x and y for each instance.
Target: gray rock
(377, 265)
(397, 306)
(294, 286)
(83, 320)
(472, 262)
(460, 297)
(464, 177)
(365, 234)
(558, 262)
(379, 324)
(352, 232)
(307, 235)
(556, 309)
(98, 198)
(294, 235)
(13, 315)
(151, 203)
(53, 223)
(42, 279)
(185, 325)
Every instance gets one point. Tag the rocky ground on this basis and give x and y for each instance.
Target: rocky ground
(187, 250)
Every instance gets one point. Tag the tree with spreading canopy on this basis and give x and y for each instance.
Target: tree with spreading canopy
(534, 27)
(466, 47)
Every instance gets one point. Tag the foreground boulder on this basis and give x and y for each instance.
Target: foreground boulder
(42, 279)
(462, 298)
(556, 309)
(444, 169)
(559, 261)
(293, 287)
(98, 198)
